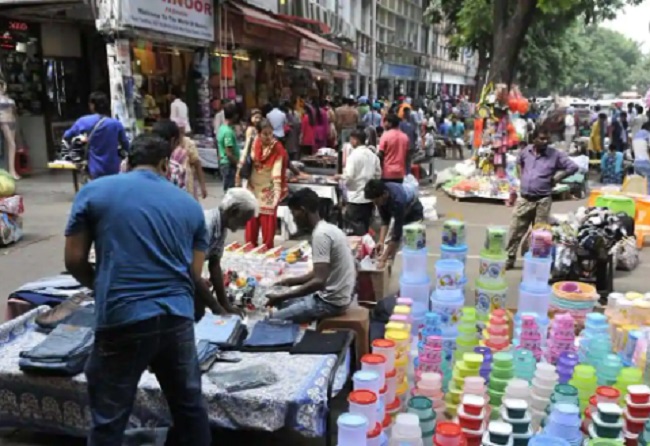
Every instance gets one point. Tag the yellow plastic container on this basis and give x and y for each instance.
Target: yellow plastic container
(402, 309)
(473, 361)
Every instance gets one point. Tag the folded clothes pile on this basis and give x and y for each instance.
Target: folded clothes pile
(272, 336)
(49, 291)
(227, 332)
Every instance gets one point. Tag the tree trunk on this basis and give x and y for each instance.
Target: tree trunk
(509, 32)
(481, 69)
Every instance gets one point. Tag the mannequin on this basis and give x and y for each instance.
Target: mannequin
(8, 127)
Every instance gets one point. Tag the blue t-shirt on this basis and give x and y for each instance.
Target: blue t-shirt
(145, 230)
(103, 148)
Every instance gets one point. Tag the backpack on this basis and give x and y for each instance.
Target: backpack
(177, 173)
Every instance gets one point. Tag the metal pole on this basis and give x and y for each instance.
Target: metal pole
(373, 50)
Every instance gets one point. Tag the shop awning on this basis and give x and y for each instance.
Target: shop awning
(326, 44)
(256, 17)
(338, 74)
(318, 74)
(313, 25)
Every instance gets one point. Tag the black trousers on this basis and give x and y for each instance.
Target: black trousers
(358, 217)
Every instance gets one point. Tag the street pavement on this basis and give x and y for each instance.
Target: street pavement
(48, 198)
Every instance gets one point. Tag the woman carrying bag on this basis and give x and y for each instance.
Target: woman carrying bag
(264, 163)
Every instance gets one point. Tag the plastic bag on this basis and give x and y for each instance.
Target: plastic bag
(244, 378)
(7, 184)
(626, 254)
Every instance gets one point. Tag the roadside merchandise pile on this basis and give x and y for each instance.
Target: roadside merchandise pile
(11, 209)
(461, 375)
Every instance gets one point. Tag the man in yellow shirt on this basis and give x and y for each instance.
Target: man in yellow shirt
(598, 132)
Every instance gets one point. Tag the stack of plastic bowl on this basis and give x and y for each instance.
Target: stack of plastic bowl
(628, 376)
(414, 281)
(584, 379)
(502, 372)
(453, 240)
(564, 422)
(534, 290)
(432, 325)
(447, 434)
(531, 336)
(524, 362)
(486, 367)
(430, 356)
(449, 296)
(574, 298)
(565, 365)
(491, 286)
(637, 412)
(543, 323)
(475, 385)
(369, 381)
(517, 389)
(498, 433)
(467, 367)
(547, 440)
(467, 334)
(449, 335)
(608, 368)
(406, 430)
(377, 364)
(607, 422)
(364, 402)
(543, 386)
(472, 416)
(423, 408)
(430, 386)
(596, 328)
(515, 413)
(496, 335)
(561, 337)
(352, 429)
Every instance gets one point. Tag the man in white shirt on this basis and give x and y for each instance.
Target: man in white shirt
(641, 147)
(569, 127)
(278, 120)
(178, 111)
(362, 166)
(638, 120)
(219, 118)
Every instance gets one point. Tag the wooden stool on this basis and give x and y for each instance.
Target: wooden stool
(356, 319)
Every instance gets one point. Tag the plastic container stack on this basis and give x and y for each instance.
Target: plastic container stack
(352, 429)
(596, 327)
(543, 323)
(467, 334)
(515, 413)
(531, 335)
(607, 422)
(430, 386)
(491, 286)
(517, 389)
(628, 376)
(565, 365)
(604, 395)
(387, 394)
(467, 367)
(561, 337)
(575, 298)
(563, 393)
(448, 434)
(405, 431)
(430, 356)
(584, 379)
(414, 281)
(608, 369)
(423, 408)
(547, 440)
(486, 367)
(449, 295)
(496, 335)
(564, 422)
(498, 433)
(453, 240)
(544, 383)
(502, 371)
(525, 364)
(472, 415)
(637, 413)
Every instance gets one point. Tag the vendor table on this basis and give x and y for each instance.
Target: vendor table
(298, 401)
(78, 178)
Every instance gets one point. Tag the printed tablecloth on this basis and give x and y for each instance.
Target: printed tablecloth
(59, 405)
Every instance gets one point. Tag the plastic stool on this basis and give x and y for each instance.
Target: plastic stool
(356, 319)
(617, 203)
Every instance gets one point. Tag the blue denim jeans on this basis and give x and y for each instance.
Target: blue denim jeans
(643, 168)
(228, 173)
(305, 310)
(118, 359)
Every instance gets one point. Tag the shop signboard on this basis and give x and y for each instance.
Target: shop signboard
(310, 51)
(399, 71)
(331, 58)
(188, 18)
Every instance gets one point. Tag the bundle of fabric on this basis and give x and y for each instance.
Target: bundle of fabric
(50, 291)
(11, 209)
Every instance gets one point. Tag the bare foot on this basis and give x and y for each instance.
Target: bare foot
(16, 176)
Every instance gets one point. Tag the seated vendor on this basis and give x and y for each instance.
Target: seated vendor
(398, 205)
(327, 290)
(237, 207)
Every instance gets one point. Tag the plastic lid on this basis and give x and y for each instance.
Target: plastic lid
(363, 397)
(610, 392)
(500, 428)
(456, 249)
(387, 420)
(375, 432)
(397, 335)
(402, 309)
(515, 404)
(448, 429)
(394, 405)
(383, 390)
(352, 420)
(383, 343)
(420, 403)
(391, 374)
(366, 375)
(610, 409)
(473, 400)
(566, 390)
(373, 359)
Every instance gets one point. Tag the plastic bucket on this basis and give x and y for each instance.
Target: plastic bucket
(414, 266)
(490, 297)
(449, 274)
(418, 291)
(537, 271)
(454, 253)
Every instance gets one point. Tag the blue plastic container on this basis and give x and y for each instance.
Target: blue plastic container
(454, 252)
(537, 271)
(547, 440)
(448, 308)
(534, 299)
(450, 276)
(418, 291)
(414, 265)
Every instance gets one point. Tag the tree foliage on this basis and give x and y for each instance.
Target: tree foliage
(500, 28)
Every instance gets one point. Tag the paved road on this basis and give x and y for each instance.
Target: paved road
(47, 203)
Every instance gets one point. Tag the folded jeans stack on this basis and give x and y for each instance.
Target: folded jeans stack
(272, 336)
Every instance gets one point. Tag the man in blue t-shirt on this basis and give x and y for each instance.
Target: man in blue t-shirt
(107, 136)
(150, 241)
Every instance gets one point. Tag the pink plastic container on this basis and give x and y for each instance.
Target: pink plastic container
(405, 301)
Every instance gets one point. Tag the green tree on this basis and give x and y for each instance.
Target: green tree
(640, 75)
(498, 28)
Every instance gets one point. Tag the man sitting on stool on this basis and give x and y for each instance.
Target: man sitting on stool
(327, 290)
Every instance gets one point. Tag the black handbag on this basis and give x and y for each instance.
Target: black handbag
(247, 167)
